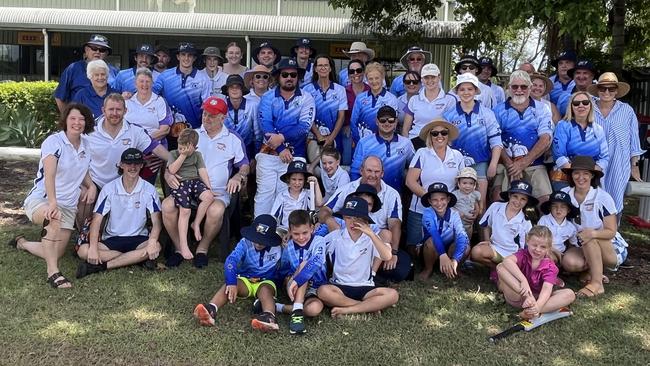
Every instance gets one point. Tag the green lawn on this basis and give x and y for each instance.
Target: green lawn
(131, 316)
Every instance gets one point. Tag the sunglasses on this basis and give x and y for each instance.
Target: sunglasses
(416, 59)
(610, 89)
(387, 120)
(468, 67)
(436, 133)
(411, 82)
(355, 71)
(287, 75)
(576, 103)
(98, 49)
(517, 87)
(261, 76)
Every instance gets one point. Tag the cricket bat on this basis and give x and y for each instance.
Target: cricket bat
(528, 325)
(312, 203)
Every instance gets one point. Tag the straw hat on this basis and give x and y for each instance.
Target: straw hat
(453, 130)
(609, 78)
(360, 47)
(258, 69)
(547, 82)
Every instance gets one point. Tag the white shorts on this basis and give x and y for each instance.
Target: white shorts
(33, 204)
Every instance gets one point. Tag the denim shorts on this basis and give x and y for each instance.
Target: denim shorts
(414, 231)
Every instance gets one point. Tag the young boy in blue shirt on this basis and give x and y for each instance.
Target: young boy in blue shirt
(303, 268)
(250, 270)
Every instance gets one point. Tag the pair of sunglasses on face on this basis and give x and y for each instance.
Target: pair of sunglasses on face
(436, 133)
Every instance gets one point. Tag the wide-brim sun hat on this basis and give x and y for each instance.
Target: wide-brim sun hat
(99, 40)
(565, 55)
(234, 79)
(213, 51)
(256, 51)
(468, 78)
(147, 49)
(438, 187)
(354, 207)
(303, 42)
(548, 84)
(467, 172)
(522, 187)
(486, 61)
(582, 162)
(258, 69)
(415, 49)
(296, 166)
(288, 63)
(468, 59)
(262, 231)
(561, 197)
(609, 79)
(453, 130)
(360, 47)
(370, 191)
(583, 65)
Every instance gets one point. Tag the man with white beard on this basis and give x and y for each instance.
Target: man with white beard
(526, 132)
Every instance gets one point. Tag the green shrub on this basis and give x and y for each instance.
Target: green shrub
(36, 97)
(21, 128)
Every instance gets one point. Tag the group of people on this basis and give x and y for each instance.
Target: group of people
(332, 158)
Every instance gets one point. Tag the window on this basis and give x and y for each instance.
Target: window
(9, 57)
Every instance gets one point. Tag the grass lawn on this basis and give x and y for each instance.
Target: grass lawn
(131, 316)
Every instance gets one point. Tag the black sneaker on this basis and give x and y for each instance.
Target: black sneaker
(257, 307)
(265, 322)
(85, 268)
(200, 260)
(297, 322)
(205, 314)
(174, 260)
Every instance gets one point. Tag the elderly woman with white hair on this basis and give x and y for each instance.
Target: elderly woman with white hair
(92, 96)
(526, 133)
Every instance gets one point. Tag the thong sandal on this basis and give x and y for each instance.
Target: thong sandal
(588, 291)
(14, 242)
(52, 280)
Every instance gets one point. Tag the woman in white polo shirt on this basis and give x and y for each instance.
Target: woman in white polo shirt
(600, 245)
(62, 170)
(151, 112)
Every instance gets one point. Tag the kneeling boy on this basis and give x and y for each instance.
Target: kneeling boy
(249, 271)
(352, 252)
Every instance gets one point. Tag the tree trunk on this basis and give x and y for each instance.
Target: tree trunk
(552, 43)
(618, 36)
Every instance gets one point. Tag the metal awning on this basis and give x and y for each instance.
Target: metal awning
(200, 24)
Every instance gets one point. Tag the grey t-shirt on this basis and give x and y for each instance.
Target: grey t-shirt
(190, 168)
(465, 202)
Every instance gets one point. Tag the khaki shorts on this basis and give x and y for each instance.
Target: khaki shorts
(536, 175)
(67, 214)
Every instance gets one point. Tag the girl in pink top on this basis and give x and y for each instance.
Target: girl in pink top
(526, 278)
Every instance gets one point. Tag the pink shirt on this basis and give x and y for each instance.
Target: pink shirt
(546, 271)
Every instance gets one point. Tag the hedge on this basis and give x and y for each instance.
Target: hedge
(36, 97)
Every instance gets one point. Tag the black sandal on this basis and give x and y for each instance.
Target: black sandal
(44, 230)
(14, 242)
(57, 284)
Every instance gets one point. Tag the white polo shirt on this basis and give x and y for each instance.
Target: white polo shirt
(425, 111)
(220, 154)
(561, 232)
(597, 205)
(351, 261)
(71, 168)
(331, 184)
(284, 205)
(129, 216)
(105, 151)
(215, 83)
(391, 203)
(150, 114)
(508, 236)
(435, 170)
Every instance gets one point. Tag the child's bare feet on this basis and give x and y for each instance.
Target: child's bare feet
(338, 312)
(186, 253)
(196, 227)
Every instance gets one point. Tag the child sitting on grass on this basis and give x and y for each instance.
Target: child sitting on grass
(558, 212)
(505, 225)
(353, 251)
(303, 269)
(296, 197)
(188, 164)
(250, 270)
(468, 199)
(526, 278)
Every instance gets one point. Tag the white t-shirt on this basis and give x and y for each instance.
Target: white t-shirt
(561, 232)
(351, 261)
(597, 205)
(148, 115)
(425, 111)
(220, 154)
(331, 184)
(435, 170)
(508, 236)
(71, 168)
(391, 202)
(215, 83)
(465, 202)
(284, 205)
(105, 151)
(129, 216)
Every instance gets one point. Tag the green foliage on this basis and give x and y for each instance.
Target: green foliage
(22, 128)
(35, 97)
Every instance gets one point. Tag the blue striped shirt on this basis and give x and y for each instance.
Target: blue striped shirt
(559, 89)
(363, 121)
(184, 93)
(521, 131)
(328, 103)
(313, 253)
(570, 140)
(445, 231)
(88, 97)
(242, 120)
(74, 77)
(246, 261)
(125, 80)
(622, 131)
(395, 155)
(292, 118)
(479, 132)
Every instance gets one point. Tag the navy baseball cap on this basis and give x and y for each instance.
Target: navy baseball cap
(569, 55)
(303, 42)
(132, 156)
(187, 47)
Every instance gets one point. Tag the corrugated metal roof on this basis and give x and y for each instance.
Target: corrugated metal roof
(198, 24)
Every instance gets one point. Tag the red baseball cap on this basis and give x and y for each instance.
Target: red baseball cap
(214, 105)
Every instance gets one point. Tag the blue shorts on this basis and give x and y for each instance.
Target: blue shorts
(124, 243)
(414, 229)
(481, 169)
(355, 292)
(188, 191)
